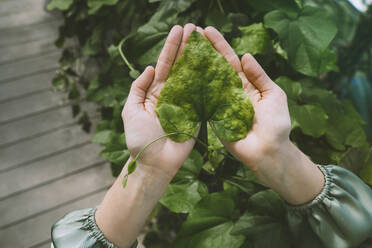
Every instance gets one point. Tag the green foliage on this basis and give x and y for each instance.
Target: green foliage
(255, 40)
(202, 86)
(312, 48)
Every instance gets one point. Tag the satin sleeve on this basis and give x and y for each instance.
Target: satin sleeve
(339, 217)
(78, 229)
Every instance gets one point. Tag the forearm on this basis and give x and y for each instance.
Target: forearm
(291, 174)
(124, 211)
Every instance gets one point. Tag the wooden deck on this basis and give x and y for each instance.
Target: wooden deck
(48, 166)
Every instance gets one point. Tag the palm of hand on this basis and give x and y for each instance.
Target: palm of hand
(271, 124)
(141, 123)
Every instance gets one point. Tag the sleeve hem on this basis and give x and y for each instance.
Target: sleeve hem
(324, 193)
(90, 224)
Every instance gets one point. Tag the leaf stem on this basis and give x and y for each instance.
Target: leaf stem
(134, 161)
(121, 50)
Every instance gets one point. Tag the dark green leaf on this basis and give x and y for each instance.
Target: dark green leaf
(209, 224)
(181, 197)
(305, 37)
(59, 4)
(95, 5)
(291, 88)
(311, 119)
(102, 137)
(254, 40)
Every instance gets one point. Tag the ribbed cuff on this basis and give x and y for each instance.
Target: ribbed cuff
(324, 193)
(91, 225)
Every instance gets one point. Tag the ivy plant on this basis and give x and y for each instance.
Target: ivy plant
(310, 48)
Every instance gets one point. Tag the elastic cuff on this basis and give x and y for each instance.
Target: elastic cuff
(324, 193)
(91, 225)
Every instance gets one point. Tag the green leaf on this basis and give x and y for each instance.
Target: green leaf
(59, 4)
(203, 86)
(263, 231)
(181, 197)
(304, 37)
(102, 137)
(190, 168)
(291, 88)
(209, 224)
(267, 202)
(151, 36)
(116, 157)
(221, 22)
(132, 166)
(287, 6)
(254, 40)
(311, 119)
(186, 190)
(366, 172)
(328, 62)
(95, 5)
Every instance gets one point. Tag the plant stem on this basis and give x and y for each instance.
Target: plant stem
(203, 137)
(121, 50)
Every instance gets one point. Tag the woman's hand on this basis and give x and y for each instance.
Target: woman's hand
(267, 150)
(125, 210)
(141, 123)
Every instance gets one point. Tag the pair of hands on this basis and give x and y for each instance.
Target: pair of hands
(271, 124)
(266, 149)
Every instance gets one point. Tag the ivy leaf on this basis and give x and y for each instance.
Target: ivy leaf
(185, 190)
(181, 197)
(59, 4)
(366, 171)
(305, 37)
(190, 168)
(328, 61)
(151, 36)
(254, 40)
(291, 88)
(203, 86)
(221, 22)
(116, 157)
(95, 5)
(209, 224)
(263, 231)
(287, 6)
(102, 137)
(311, 119)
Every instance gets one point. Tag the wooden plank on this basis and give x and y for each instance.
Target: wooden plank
(9, 7)
(27, 85)
(37, 229)
(29, 66)
(18, 16)
(25, 50)
(19, 207)
(30, 104)
(46, 122)
(25, 34)
(52, 168)
(37, 148)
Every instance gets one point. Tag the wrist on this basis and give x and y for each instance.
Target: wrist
(290, 173)
(125, 210)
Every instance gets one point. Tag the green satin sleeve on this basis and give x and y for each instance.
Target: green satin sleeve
(339, 217)
(78, 229)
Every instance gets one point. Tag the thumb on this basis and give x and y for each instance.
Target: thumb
(139, 87)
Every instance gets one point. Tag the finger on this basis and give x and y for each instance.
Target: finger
(187, 30)
(137, 93)
(168, 54)
(256, 75)
(253, 93)
(200, 30)
(221, 45)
